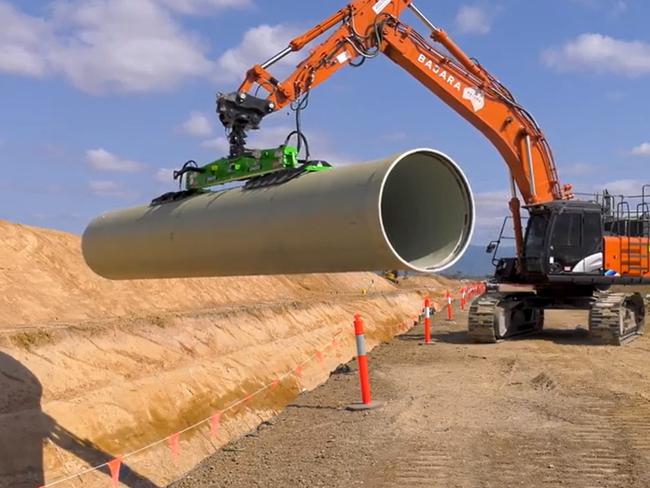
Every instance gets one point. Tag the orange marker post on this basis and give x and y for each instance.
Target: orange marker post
(362, 363)
(174, 443)
(362, 360)
(449, 311)
(427, 320)
(114, 468)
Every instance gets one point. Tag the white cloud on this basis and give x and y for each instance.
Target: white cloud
(642, 150)
(473, 20)
(108, 46)
(491, 209)
(219, 144)
(257, 45)
(121, 45)
(578, 169)
(600, 54)
(321, 146)
(164, 175)
(103, 46)
(102, 160)
(197, 125)
(21, 42)
(273, 136)
(203, 6)
(620, 187)
(108, 188)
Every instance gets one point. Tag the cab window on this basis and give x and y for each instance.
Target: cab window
(568, 230)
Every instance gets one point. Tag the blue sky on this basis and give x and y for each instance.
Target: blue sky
(101, 98)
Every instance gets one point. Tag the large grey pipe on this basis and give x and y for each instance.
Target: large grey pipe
(412, 211)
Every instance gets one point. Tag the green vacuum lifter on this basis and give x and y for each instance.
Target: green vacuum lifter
(260, 167)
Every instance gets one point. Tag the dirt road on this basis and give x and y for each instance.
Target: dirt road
(548, 411)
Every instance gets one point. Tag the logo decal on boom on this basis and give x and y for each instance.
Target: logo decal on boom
(476, 98)
(440, 72)
(381, 5)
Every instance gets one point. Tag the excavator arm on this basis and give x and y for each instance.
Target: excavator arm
(366, 28)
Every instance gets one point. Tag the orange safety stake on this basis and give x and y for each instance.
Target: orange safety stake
(427, 320)
(449, 311)
(174, 441)
(215, 422)
(319, 357)
(114, 468)
(362, 363)
(463, 293)
(362, 359)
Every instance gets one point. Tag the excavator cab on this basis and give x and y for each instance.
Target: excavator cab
(563, 237)
(573, 251)
(600, 242)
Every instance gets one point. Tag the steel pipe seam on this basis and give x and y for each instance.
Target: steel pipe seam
(412, 211)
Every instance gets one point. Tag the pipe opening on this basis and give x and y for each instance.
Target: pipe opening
(427, 210)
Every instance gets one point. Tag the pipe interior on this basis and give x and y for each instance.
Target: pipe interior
(427, 210)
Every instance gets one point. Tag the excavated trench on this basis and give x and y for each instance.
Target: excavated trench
(92, 369)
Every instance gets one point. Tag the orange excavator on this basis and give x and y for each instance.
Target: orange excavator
(571, 252)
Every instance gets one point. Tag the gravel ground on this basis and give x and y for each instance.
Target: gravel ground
(548, 411)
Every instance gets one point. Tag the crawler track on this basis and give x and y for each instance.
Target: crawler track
(497, 316)
(614, 319)
(481, 317)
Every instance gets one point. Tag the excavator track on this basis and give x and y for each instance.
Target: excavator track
(497, 316)
(617, 318)
(480, 321)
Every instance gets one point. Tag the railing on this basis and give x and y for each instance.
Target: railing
(628, 218)
(494, 246)
(633, 230)
(643, 211)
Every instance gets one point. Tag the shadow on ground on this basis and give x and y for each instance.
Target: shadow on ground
(25, 429)
(570, 337)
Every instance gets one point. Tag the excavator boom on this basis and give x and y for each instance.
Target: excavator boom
(365, 28)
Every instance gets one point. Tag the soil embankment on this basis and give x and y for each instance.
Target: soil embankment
(91, 369)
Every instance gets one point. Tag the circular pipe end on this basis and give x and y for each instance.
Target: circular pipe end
(426, 210)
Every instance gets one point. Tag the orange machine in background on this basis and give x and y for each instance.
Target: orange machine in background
(628, 256)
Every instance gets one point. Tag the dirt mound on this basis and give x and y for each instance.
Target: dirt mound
(91, 368)
(416, 281)
(44, 279)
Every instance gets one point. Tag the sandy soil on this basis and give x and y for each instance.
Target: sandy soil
(548, 411)
(90, 369)
(44, 281)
